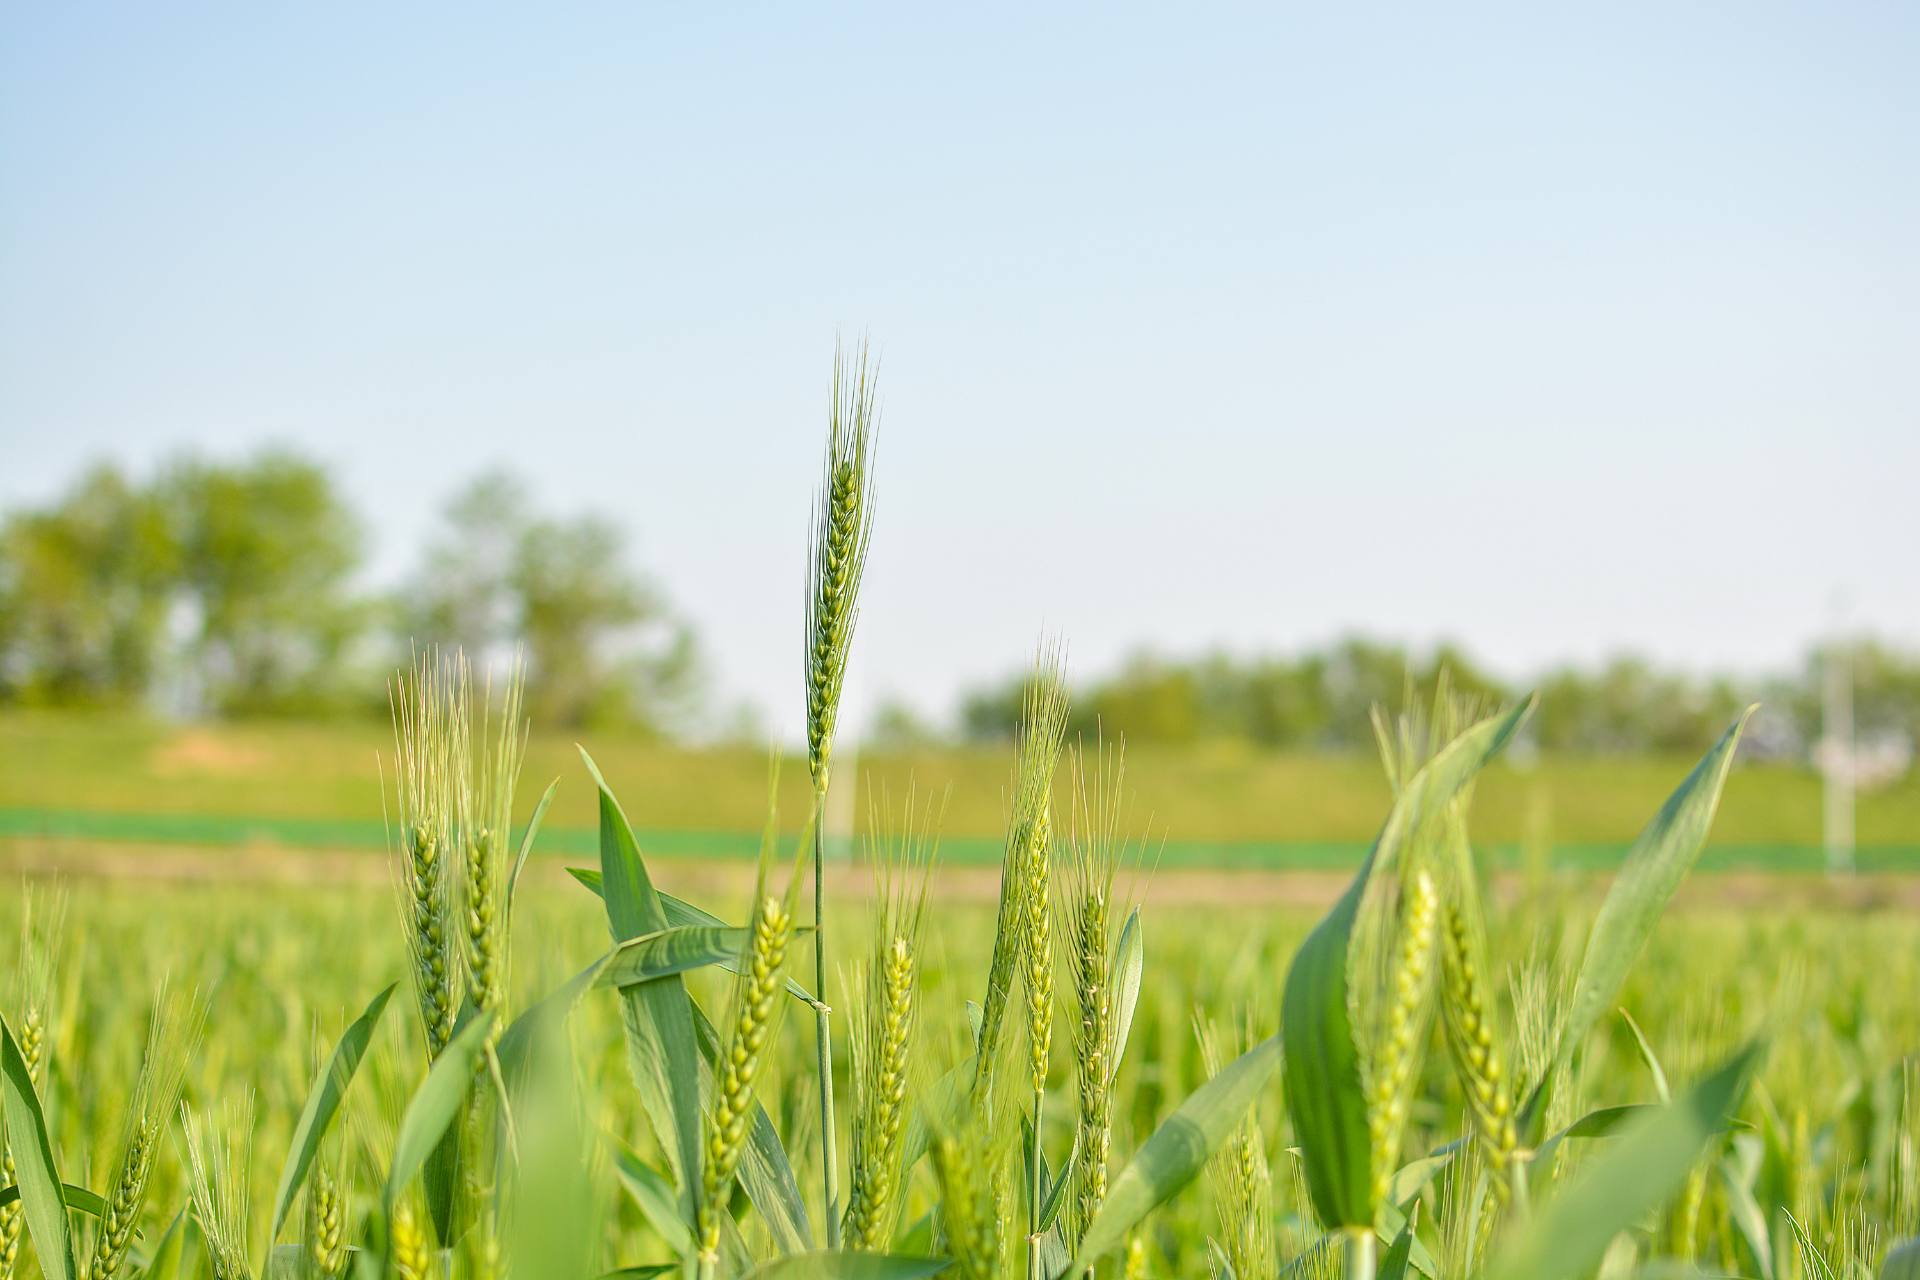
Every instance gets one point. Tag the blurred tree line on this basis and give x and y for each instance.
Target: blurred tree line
(1320, 700)
(235, 589)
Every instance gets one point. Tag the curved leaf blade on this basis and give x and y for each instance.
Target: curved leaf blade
(1322, 1076)
(42, 1198)
(670, 952)
(323, 1102)
(1659, 860)
(1178, 1150)
(1126, 991)
(435, 1103)
(1637, 1172)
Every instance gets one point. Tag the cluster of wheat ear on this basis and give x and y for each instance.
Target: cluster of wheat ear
(172, 1034)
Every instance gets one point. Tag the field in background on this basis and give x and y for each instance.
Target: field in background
(115, 779)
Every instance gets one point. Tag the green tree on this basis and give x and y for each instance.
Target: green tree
(84, 591)
(267, 553)
(464, 593)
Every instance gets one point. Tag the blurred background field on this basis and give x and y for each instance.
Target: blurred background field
(263, 785)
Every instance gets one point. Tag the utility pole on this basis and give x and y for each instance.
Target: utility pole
(1836, 750)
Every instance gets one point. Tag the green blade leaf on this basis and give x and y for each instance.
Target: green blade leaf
(1323, 1088)
(1178, 1150)
(435, 1103)
(526, 840)
(653, 1194)
(323, 1102)
(1126, 991)
(681, 912)
(42, 1200)
(88, 1202)
(164, 1262)
(672, 951)
(1639, 1171)
(1660, 858)
(829, 1264)
(658, 1016)
(1398, 1264)
(1817, 1265)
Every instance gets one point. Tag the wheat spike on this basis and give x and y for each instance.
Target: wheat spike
(837, 559)
(171, 1035)
(218, 1165)
(755, 993)
(1391, 1075)
(326, 1242)
(431, 751)
(1043, 724)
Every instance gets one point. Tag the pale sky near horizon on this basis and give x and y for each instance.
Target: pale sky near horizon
(1556, 333)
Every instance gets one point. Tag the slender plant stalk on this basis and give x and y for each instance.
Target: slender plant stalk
(837, 559)
(822, 1028)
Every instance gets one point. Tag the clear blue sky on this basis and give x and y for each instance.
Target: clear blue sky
(1554, 333)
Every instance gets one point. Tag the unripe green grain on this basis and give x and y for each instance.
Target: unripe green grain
(754, 1004)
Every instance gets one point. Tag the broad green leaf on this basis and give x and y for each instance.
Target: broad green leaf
(682, 913)
(1126, 990)
(765, 1172)
(1322, 1076)
(845, 1265)
(1637, 1172)
(1902, 1262)
(526, 840)
(43, 1202)
(658, 1015)
(641, 1271)
(435, 1103)
(653, 1193)
(323, 1102)
(671, 951)
(1178, 1150)
(1660, 858)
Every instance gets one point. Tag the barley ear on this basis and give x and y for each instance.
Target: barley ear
(1395, 1064)
(172, 1033)
(755, 1002)
(486, 829)
(431, 752)
(1043, 723)
(886, 997)
(1471, 1040)
(1088, 910)
(837, 557)
(218, 1167)
(326, 1226)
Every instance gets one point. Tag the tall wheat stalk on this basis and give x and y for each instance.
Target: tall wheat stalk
(836, 562)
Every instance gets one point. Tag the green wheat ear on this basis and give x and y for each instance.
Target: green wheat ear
(837, 559)
(885, 993)
(1043, 728)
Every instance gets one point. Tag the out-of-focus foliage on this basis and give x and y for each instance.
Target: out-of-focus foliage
(237, 589)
